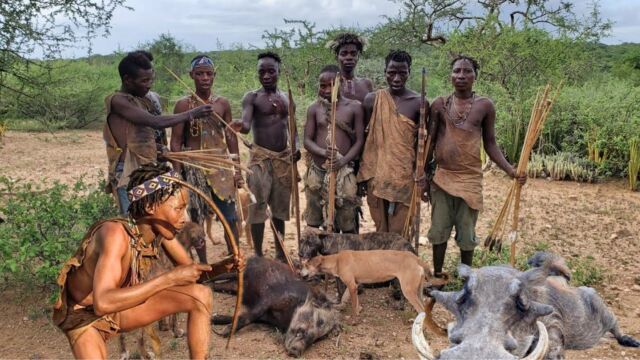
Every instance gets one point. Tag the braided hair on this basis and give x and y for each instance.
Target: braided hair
(398, 56)
(137, 208)
(474, 62)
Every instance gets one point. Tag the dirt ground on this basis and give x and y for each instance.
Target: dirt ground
(575, 220)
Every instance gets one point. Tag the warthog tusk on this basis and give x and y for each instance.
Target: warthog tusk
(543, 344)
(418, 339)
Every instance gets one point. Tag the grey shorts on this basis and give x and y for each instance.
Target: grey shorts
(268, 190)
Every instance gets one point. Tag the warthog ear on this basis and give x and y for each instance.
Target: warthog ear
(319, 299)
(464, 271)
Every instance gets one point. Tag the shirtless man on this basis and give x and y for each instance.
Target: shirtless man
(347, 48)
(265, 112)
(101, 293)
(349, 141)
(387, 169)
(464, 120)
(208, 133)
(129, 130)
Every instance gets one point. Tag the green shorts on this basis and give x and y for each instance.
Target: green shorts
(448, 211)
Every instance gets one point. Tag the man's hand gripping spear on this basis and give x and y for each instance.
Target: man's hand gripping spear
(331, 145)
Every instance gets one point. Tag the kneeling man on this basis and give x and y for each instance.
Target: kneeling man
(101, 293)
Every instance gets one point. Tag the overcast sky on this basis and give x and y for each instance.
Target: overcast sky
(205, 23)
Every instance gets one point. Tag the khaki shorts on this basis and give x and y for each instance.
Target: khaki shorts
(316, 194)
(268, 190)
(448, 211)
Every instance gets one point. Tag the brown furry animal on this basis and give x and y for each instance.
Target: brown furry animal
(192, 236)
(374, 266)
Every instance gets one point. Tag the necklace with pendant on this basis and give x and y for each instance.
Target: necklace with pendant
(460, 116)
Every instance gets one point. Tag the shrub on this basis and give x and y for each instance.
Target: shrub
(44, 226)
(584, 271)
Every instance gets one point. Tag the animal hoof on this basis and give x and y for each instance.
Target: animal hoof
(124, 355)
(225, 332)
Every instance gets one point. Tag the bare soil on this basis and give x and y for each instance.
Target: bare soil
(575, 220)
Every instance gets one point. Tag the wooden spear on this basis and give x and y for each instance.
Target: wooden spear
(420, 160)
(293, 132)
(331, 146)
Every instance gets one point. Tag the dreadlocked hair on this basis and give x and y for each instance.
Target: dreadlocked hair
(474, 62)
(398, 56)
(347, 38)
(137, 209)
(270, 54)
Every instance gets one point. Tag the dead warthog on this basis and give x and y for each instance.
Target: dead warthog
(273, 294)
(502, 313)
(316, 242)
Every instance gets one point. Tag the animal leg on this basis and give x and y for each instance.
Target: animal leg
(124, 353)
(353, 293)
(243, 320)
(214, 239)
(247, 234)
(177, 332)
(624, 340)
(556, 344)
(155, 342)
(162, 324)
(411, 286)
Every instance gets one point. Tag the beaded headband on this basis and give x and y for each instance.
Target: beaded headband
(150, 186)
(203, 61)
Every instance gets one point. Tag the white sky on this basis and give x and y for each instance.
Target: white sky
(202, 23)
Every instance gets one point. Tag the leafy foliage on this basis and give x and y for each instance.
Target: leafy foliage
(33, 28)
(44, 226)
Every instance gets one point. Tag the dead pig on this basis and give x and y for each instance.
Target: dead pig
(502, 313)
(276, 296)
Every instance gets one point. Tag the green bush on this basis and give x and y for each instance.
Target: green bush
(44, 225)
(584, 270)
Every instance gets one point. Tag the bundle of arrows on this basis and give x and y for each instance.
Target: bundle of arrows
(511, 208)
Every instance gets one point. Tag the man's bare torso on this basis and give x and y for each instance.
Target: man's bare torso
(345, 113)
(474, 120)
(270, 119)
(80, 281)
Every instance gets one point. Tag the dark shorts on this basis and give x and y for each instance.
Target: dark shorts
(448, 211)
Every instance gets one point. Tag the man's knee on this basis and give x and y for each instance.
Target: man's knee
(202, 297)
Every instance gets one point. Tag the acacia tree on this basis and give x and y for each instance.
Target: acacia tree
(429, 21)
(41, 29)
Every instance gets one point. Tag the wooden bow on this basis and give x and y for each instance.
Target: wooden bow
(233, 244)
